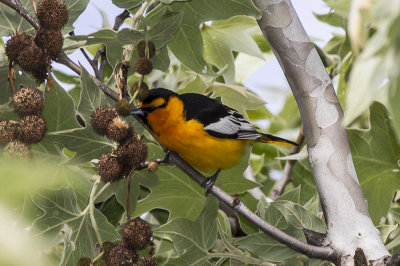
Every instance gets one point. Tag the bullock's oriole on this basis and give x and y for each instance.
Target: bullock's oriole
(205, 133)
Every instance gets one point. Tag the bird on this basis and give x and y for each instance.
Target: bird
(205, 133)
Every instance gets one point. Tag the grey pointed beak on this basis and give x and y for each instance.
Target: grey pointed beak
(137, 111)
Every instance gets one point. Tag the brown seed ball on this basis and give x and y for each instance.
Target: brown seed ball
(101, 118)
(144, 90)
(35, 61)
(8, 131)
(51, 41)
(109, 168)
(28, 101)
(52, 14)
(147, 261)
(153, 166)
(100, 263)
(119, 255)
(143, 66)
(118, 130)
(32, 129)
(17, 150)
(132, 152)
(123, 107)
(17, 44)
(141, 47)
(137, 234)
(84, 261)
(106, 247)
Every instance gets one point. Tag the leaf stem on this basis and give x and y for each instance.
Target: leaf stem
(101, 191)
(225, 241)
(91, 210)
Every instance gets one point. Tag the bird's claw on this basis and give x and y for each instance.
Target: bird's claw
(208, 183)
(166, 157)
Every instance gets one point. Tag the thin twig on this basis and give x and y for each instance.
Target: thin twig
(128, 195)
(103, 63)
(309, 250)
(92, 62)
(119, 20)
(11, 77)
(287, 170)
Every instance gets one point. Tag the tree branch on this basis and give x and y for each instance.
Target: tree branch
(349, 225)
(325, 253)
(309, 250)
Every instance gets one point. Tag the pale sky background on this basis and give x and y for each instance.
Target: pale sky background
(271, 86)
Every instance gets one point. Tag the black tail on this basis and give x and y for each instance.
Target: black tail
(267, 138)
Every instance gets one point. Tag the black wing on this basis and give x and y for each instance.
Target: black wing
(219, 120)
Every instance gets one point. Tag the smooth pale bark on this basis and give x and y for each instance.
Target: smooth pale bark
(346, 214)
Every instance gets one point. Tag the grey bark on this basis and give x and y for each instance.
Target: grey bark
(349, 225)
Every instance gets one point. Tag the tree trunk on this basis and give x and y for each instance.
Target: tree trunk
(349, 225)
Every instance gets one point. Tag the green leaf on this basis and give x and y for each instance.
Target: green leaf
(196, 85)
(163, 32)
(342, 7)
(375, 65)
(289, 117)
(237, 97)
(332, 18)
(376, 155)
(188, 44)
(176, 192)
(63, 129)
(303, 176)
(394, 101)
(285, 214)
(127, 4)
(161, 60)
(192, 239)
(223, 37)
(385, 230)
(11, 21)
(92, 97)
(263, 246)
(65, 222)
(108, 38)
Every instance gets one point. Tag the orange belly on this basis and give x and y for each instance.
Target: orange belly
(198, 148)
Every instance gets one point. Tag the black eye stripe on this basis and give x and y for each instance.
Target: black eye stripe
(152, 108)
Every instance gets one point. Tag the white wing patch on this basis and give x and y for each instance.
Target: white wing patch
(234, 124)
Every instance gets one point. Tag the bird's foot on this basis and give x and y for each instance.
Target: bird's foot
(208, 183)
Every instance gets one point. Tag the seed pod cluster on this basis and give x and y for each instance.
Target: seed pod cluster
(17, 136)
(143, 66)
(136, 235)
(131, 151)
(33, 55)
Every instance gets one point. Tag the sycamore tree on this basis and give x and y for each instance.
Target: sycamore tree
(85, 183)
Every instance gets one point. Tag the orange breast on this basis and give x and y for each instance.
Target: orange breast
(189, 139)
